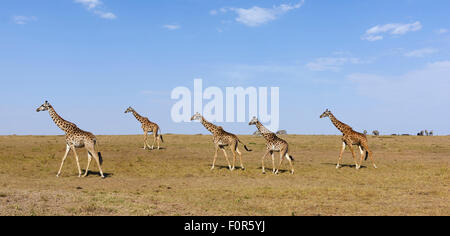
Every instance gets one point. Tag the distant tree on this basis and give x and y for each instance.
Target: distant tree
(257, 133)
(431, 133)
(376, 133)
(426, 133)
(365, 132)
(282, 132)
(421, 133)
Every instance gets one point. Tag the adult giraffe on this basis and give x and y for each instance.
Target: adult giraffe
(273, 144)
(350, 138)
(75, 138)
(148, 127)
(221, 139)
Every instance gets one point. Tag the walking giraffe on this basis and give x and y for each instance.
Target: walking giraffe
(221, 139)
(273, 144)
(75, 138)
(148, 127)
(350, 138)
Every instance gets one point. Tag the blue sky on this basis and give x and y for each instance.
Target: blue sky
(381, 65)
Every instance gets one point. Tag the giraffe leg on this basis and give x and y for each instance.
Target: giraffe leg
(148, 144)
(233, 151)
(215, 157)
(88, 164)
(290, 163)
(226, 157)
(282, 155)
(63, 159)
(240, 158)
(158, 141)
(273, 162)
(145, 140)
(263, 168)
(78, 162)
(340, 155)
(97, 159)
(366, 147)
(371, 158)
(154, 140)
(361, 150)
(158, 137)
(354, 156)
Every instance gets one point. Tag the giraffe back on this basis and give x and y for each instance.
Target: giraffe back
(79, 138)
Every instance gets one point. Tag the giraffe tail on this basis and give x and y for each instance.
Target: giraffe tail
(245, 146)
(160, 135)
(100, 158)
(290, 157)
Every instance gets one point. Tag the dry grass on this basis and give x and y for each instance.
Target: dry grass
(412, 179)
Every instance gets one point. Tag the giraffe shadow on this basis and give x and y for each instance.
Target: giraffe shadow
(107, 175)
(220, 167)
(270, 170)
(155, 149)
(343, 165)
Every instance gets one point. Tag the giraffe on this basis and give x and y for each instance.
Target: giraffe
(75, 138)
(222, 139)
(148, 127)
(350, 138)
(273, 144)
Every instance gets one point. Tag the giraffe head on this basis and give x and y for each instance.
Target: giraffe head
(44, 107)
(196, 116)
(254, 121)
(327, 113)
(129, 109)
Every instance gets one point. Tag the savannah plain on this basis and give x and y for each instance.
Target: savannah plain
(412, 178)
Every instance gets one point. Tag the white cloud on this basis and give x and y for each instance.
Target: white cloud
(332, 63)
(375, 33)
(256, 16)
(425, 86)
(372, 38)
(89, 4)
(22, 20)
(442, 31)
(95, 7)
(172, 27)
(106, 15)
(421, 52)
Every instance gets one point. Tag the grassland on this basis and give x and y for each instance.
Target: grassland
(412, 178)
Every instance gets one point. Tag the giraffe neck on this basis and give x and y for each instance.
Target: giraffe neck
(339, 125)
(138, 117)
(209, 126)
(263, 130)
(59, 121)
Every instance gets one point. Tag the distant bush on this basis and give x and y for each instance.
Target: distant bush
(282, 132)
(376, 133)
(425, 133)
(257, 133)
